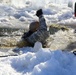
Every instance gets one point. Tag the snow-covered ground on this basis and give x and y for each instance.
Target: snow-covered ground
(54, 13)
(38, 60)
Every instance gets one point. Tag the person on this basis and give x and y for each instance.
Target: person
(37, 32)
(75, 9)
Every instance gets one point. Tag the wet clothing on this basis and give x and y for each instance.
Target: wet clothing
(42, 22)
(27, 34)
(41, 34)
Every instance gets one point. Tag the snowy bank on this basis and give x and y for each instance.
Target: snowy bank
(20, 17)
(41, 62)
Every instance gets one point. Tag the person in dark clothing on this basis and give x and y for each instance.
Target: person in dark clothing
(37, 32)
(75, 9)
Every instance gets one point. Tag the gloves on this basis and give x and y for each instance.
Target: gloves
(39, 13)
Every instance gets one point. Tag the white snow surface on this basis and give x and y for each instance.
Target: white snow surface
(54, 12)
(42, 61)
(37, 60)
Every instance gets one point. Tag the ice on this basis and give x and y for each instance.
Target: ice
(53, 12)
(37, 46)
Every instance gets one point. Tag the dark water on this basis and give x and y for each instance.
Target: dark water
(5, 31)
(9, 37)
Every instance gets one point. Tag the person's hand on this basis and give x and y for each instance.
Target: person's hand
(39, 12)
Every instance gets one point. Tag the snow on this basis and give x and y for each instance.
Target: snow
(54, 13)
(41, 62)
(38, 60)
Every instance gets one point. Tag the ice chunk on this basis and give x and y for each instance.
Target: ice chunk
(37, 46)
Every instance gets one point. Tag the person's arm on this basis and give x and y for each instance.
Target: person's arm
(27, 34)
(42, 22)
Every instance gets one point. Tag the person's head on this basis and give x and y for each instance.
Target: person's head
(34, 26)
